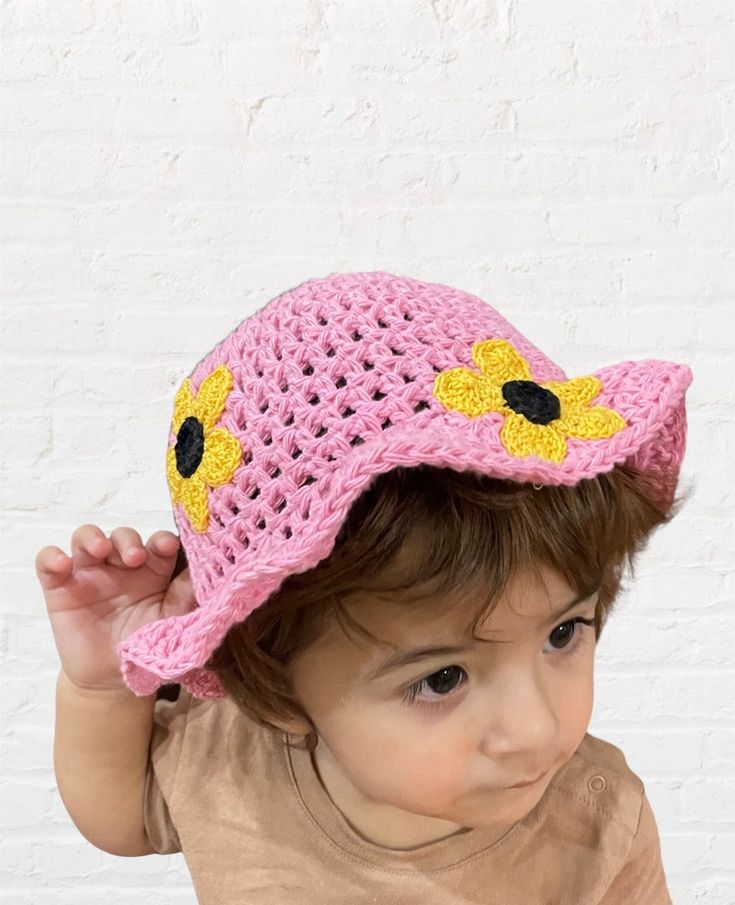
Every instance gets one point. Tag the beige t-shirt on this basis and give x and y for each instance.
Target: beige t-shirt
(257, 827)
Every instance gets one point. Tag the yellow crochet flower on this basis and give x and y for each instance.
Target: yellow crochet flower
(202, 456)
(538, 417)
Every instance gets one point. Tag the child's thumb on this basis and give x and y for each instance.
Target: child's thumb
(180, 597)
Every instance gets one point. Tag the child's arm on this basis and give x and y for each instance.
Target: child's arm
(107, 589)
(101, 759)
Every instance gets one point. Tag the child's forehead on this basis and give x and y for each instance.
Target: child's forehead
(399, 614)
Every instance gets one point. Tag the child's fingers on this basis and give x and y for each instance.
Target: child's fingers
(180, 597)
(89, 545)
(161, 549)
(127, 549)
(52, 567)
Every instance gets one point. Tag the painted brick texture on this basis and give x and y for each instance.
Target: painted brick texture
(167, 167)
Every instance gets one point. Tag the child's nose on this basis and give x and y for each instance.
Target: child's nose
(522, 722)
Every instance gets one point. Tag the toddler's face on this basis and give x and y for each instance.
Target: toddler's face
(419, 751)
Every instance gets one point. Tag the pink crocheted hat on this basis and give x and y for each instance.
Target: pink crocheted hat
(288, 420)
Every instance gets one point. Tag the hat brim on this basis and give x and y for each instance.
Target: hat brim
(649, 395)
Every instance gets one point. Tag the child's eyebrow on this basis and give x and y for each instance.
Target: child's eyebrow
(413, 655)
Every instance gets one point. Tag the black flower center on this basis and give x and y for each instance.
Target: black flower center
(189, 446)
(537, 404)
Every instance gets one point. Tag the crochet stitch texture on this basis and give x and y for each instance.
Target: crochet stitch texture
(288, 419)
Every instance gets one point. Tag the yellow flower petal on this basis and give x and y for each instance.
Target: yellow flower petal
(577, 391)
(524, 438)
(175, 478)
(499, 361)
(212, 396)
(462, 390)
(184, 406)
(222, 455)
(590, 423)
(194, 498)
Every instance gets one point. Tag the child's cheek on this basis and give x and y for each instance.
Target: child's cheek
(429, 780)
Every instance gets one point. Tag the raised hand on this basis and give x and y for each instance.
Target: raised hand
(107, 589)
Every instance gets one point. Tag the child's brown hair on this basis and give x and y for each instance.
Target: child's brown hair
(472, 528)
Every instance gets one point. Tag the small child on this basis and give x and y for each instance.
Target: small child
(380, 486)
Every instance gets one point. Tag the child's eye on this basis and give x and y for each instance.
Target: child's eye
(444, 681)
(576, 634)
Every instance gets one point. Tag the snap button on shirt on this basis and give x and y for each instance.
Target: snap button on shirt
(597, 783)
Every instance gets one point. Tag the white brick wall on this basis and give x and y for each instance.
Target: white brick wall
(170, 166)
